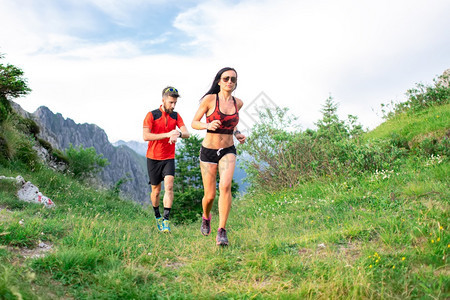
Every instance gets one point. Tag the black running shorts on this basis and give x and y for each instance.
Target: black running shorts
(158, 169)
(214, 155)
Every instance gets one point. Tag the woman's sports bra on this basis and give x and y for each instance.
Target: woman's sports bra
(228, 122)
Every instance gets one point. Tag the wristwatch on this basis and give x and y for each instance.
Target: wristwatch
(181, 134)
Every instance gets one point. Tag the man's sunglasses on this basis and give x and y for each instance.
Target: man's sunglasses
(171, 90)
(233, 79)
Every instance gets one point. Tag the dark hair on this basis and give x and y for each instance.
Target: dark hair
(215, 88)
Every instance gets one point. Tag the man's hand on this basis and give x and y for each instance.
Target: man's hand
(173, 136)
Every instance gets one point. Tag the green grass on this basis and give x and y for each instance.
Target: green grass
(382, 235)
(431, 122)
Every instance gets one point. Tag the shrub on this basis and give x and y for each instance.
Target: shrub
(26, 154)
(433, 146)
(187, 205)
(281, 158)
(45, 144)
(421, 97)
(17, 146)
(4, 109)
(59, 156)
(28, 126)
(4, 151)
(84, 163)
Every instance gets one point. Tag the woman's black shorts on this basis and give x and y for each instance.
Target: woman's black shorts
(158, 169)
(214, 155)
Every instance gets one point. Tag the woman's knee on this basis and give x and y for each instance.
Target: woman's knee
(224, 187)
(209, 196)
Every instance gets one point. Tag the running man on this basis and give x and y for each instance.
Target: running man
(161, 133)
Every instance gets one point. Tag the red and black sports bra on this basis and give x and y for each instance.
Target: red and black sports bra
(228, 122)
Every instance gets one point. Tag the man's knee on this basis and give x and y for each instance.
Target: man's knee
(168, 188)
(156, 190)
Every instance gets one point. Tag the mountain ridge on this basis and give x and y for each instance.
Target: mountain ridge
(124, 161)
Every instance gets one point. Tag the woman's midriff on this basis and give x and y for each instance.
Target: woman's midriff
(217, 141)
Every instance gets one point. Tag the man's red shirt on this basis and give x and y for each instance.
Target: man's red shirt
(158, 121)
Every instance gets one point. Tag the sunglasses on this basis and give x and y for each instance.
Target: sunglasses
(171, 90)
(233, 79)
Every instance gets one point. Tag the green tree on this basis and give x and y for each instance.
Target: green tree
(330, 127)
(84, 163)
(12, 85)
(188, 185)
(187, 168)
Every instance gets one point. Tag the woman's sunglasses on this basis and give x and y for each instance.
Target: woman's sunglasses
(233, 79)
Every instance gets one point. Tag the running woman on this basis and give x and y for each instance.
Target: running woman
(161, 133)
(218, 152)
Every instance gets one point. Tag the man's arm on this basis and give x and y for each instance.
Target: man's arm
(149, 136)
(184, 132)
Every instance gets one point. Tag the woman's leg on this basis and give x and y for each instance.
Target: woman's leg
(226, 171)
(209, 173)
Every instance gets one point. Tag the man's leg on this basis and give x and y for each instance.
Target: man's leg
(168, 193)
(154, 196)
(167, 201)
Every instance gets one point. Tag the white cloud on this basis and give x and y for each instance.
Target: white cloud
(297, 52)
(300, 51)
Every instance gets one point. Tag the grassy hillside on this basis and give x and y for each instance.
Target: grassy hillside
(430, 123)
(382, 235)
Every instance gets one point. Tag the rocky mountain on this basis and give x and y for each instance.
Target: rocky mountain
(124, 162)
(138, 147)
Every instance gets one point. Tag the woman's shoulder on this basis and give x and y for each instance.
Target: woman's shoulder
(239, 102)
(208, 99)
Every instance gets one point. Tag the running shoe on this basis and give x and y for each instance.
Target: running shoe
(221, 237)
(166, 226)
(206, 226)
(159, 223)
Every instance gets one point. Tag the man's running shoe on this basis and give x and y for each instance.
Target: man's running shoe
(166, 226)
(221, 237)
(206, 226)
(159, 223)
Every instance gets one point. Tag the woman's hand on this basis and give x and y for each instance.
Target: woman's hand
(213, 125)
(240, 137)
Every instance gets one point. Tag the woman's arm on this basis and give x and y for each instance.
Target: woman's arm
(204, 107)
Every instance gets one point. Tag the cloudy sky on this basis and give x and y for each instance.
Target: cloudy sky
(106, 61)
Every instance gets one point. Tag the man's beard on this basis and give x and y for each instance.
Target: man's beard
(168, 110)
